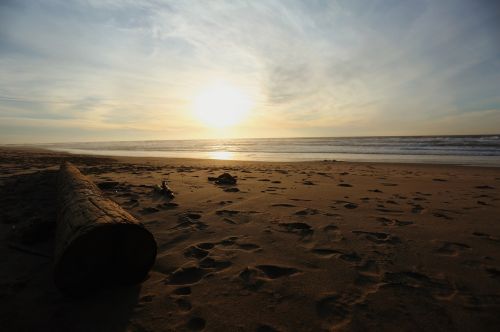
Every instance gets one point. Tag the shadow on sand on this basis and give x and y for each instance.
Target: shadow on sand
(29, 300)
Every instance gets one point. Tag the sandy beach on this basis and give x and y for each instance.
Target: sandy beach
(306, 246)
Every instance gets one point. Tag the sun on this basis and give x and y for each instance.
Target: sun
(222, 105)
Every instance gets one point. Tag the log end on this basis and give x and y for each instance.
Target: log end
(106, 256)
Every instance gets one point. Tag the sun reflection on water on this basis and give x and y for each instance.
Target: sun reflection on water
(222, 155)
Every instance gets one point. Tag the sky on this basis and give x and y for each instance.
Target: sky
(102, 70)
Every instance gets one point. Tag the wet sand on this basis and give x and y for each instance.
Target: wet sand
(316, 246)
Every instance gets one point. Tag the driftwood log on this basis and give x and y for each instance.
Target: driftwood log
(98, 244)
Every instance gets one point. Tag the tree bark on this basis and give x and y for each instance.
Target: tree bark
(98, 244)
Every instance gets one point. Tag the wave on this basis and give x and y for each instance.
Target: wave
(304, 148)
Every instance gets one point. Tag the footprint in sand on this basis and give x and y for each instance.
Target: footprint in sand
(167, 206)
(369, 268)
(485, 187)
(379, 237)
(250, 278)
(336, 309)
(417, 209)
(350, 206)
(195, 252)
(345, 256)
(191, 215)
(187, 220)
(247, 246)
(182, 291)
(403, 222)
(196, 324)
(274, 271)
(334, 215)
(330, 228)
(230, 221)
(385, 221)
(300, 228)
(283, 205)
(333, 233)
(149, 210)
(186, 275)
(325, 252)
(393, 222)
(385, 210)
(300, 200)
(183, 304)
(350, 257)
(438, 288)
(212, 263)
(205, 245)
(206, 264)
(228, 242)
(324, 174)
(442, 216)
(307, 212)
(236, 217)
(227, 212)
(486, 236)
(347, 185)
(452, 248)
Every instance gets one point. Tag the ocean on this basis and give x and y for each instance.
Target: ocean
(481, 150)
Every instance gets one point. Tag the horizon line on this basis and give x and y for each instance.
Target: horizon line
(252, 138)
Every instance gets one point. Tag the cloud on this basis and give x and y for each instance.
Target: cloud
(313, 67)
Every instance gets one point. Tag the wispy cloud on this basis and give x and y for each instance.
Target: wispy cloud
(112, 68)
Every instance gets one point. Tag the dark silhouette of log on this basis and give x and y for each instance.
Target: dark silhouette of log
(98, 244)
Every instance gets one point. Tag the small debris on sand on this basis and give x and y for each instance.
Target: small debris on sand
(164, 189)
(224, 178)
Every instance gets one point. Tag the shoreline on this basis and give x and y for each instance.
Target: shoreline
(148, 156)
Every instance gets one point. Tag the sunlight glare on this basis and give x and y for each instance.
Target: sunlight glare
(222, 105)
(221, 155)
